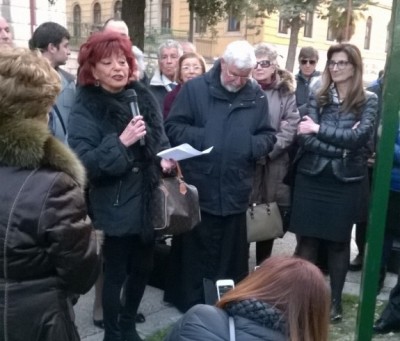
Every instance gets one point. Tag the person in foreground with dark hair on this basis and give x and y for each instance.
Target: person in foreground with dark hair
(119, 151)
(286, 298)
(48, 254)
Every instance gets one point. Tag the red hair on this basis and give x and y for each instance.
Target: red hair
(102, 45)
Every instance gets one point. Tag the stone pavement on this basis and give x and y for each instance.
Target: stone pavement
(160, 315)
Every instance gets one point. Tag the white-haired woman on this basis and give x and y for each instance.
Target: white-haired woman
(279, 86)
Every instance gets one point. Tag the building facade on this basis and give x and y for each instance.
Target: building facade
(25, 16)
(170, 19)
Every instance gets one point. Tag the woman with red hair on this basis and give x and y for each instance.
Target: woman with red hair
(119, 151)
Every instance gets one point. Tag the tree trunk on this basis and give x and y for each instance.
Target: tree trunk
(133, 15)
(294, 39)
(191, 23)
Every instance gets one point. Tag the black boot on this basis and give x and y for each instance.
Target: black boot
(336, 311)
(130, 335)
(382, 326)
(381, 281)
(128, 331)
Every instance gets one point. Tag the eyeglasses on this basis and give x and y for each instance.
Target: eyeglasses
(341, 64)
(263, 63)
(229, 74)
(309, 61)
(191, 67)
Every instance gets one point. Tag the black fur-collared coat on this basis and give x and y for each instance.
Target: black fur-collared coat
(47, 251)
(121, 179)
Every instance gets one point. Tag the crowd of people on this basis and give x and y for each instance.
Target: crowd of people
(80, 167)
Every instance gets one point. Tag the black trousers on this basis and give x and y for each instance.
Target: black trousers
(391, 313)
(392, 228)
(217, 248)
(127, 259)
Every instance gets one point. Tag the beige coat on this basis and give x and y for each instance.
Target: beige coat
(268, 183)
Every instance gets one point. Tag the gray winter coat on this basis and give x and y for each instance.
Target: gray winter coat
(58, 121)
(284, 118)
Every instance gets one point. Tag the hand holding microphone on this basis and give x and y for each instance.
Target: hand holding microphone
(136, 129)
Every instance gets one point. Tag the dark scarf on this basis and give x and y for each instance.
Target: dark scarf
(259, 312)
(268, 86)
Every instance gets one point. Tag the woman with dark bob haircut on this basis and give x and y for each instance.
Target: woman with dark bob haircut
(286, 298)
(332, 163)
(119, 152)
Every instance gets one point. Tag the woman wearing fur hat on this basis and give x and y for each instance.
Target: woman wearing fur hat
(46, 251)
(119, 152)
(279, 86)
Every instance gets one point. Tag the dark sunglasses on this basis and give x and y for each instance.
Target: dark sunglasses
(263, 63)
(305, 61)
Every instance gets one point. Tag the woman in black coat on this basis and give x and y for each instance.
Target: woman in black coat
(332, 162)
(119, 153)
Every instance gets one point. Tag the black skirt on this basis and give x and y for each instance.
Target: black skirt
(324, 207)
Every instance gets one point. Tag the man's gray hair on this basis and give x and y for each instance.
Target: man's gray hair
(241, 54)
(264, 50)
(169, 43)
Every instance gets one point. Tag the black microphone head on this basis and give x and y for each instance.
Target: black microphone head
(130, 95)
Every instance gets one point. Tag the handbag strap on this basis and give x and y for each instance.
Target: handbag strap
(179, 176)
(232, 336)
(179, 171)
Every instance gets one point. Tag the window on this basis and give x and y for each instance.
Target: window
(367, 39)
(77, 21)
(233, 23)
(330, 35)
(166, 15)
(283, 25)
(308, 24)
(117, 10)
(97, 14)
(200, 25)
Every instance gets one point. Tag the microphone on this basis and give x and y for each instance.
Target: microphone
(131, 97)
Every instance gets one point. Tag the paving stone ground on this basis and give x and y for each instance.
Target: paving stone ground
(160, 315)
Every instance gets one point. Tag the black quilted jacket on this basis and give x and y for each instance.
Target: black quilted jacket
(337, 142)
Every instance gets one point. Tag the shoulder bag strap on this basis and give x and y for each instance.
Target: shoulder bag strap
(57, 111)
(232, 336)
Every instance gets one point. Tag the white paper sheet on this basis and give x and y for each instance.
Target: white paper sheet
(182, 152)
